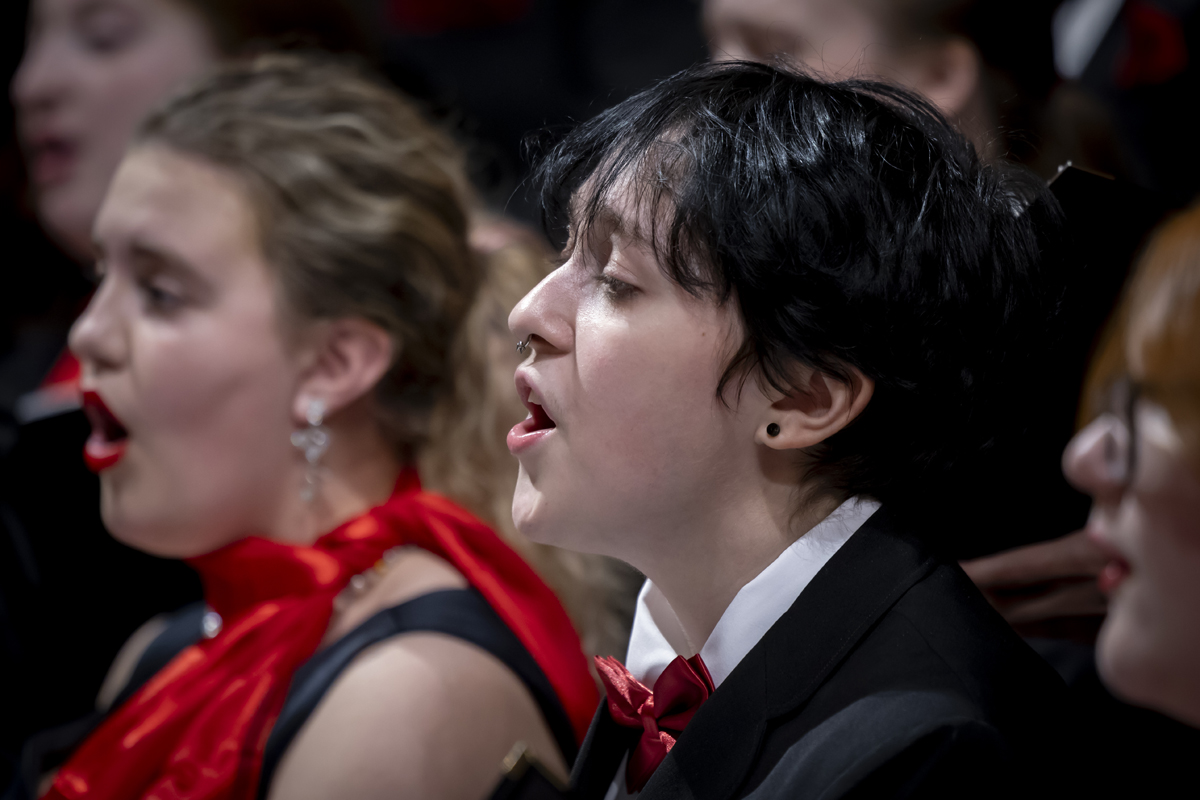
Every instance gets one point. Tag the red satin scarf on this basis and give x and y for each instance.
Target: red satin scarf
(197, 729)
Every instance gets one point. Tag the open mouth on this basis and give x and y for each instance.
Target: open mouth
(1113, 575)
(533, 427)
(538, 419)
(106, 445)
(1116, 570)
(50, 160)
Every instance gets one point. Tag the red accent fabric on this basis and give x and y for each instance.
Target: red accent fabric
(64, 371)
(197, 729)
(1156, 49)
(436, 16)
(662, 714)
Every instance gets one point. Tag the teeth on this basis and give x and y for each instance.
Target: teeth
(534, 399)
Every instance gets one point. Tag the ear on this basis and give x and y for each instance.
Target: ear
(822, 406)
(348, 357)
(948, 73)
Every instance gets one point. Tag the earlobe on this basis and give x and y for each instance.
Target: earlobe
(810, 415)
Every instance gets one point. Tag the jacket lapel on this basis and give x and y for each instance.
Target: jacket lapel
(859, 584)
(600, 754)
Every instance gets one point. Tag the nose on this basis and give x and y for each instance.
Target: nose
(98, 339)
(40, 81)
(1095, 460)
(544, 317)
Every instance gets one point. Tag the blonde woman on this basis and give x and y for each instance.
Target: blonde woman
(285, 266)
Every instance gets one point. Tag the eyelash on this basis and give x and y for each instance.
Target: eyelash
(614, 288)
(159, 299)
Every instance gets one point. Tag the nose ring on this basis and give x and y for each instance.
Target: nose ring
(522, 346)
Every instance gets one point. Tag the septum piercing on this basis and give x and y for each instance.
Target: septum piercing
(522, 346)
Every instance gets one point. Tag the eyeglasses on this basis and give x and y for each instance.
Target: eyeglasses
(1120, 445)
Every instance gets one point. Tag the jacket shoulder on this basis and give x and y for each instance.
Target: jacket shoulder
(888, 744)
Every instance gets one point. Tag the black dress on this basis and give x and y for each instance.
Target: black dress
(462, 613)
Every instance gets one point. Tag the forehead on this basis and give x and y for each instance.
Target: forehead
(200, 211)
(627, 201)
(43, 11)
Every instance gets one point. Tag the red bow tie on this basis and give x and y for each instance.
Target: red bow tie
(662, 713)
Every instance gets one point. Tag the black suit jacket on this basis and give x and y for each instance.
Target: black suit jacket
(890, 676)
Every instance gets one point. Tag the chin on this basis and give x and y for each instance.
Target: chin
(527, 508)
(151, 533)
(1131, 661)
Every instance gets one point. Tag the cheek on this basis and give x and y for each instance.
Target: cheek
(210, 442)
(649, 414)
(1151, 639)
(227, 379)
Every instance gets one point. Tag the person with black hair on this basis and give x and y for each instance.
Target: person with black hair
(792, 316)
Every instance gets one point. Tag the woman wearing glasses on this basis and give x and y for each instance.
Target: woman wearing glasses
(1140, 461)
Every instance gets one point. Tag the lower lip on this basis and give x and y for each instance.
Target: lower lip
(100, 454)
(521, 438)
(1113, 575)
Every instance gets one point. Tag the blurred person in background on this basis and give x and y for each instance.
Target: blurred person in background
(987, 64)
(285, 268)
(1139, 459)
(91, 70)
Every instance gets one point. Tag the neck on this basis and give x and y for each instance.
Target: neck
(709, 556)
(357, 473)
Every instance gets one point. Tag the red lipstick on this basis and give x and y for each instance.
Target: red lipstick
(1116, 570)
(106, 445)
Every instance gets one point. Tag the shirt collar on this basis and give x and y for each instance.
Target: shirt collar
(657, 636)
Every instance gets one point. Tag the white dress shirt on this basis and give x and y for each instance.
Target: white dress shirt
(657, 636)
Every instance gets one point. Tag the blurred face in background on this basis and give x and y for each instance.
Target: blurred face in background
(835, 38)
(189, 376)
(1149, 647)
(92, 70)
(1140, 462)
(840, 39)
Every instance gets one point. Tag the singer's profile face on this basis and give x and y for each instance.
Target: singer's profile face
(188, 373)
(626, 433)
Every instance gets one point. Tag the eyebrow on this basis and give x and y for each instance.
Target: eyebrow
(160, 259)
(605, 218)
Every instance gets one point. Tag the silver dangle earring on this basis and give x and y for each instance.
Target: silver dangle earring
(313, 441)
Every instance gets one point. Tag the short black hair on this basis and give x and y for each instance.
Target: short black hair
(852, 225)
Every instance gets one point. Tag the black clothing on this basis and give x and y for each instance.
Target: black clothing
(462, 613)
(890, 676)
(70, 594)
